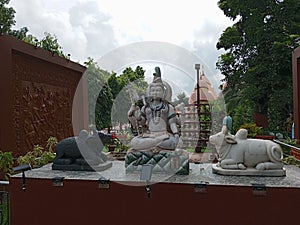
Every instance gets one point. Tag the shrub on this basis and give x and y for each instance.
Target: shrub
(291, 160)
(252, 129)
(6, 164)
(38, 156)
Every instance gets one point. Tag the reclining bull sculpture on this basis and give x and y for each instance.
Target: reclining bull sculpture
(82, 153)
(244, 156)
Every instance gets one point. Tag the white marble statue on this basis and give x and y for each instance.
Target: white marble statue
(157, 117)
(252, 156)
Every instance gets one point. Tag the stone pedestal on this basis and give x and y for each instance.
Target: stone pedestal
(176, 162)
(216, 168)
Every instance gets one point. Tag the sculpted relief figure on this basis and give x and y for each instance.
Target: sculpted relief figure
(240, 155)
(158, 117)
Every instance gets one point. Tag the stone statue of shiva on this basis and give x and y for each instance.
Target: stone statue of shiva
(159, 118)
(159, 143)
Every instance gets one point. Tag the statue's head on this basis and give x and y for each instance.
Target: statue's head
(159, 89)
(156, 88)
(156, 91)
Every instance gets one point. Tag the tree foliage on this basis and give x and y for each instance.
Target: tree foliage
(181, 98)
(258, 52)
(104, 103)
(96, 81)
(103, 87)
(7, 17)
(122, 87)
(7, 21)
(50, 43)
(108, 94)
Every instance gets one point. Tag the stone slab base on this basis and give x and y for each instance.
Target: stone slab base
(171, 162)
(248, 172)
(86, 167)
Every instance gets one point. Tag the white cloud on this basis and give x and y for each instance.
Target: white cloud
(81, 29)
(93, 28)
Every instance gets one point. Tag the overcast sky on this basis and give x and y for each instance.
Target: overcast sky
(96, 28)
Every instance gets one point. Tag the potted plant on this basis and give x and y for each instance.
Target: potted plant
(117, 149)
(265, 136)
(111, 147)
(294, 149)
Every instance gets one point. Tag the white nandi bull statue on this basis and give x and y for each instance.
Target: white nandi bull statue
(241, 153)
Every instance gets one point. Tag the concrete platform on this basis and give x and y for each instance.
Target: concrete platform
(173, 199)
(198, 173)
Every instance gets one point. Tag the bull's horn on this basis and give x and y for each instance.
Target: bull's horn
(224, 130)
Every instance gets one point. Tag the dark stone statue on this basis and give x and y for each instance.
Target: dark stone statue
(82, 153)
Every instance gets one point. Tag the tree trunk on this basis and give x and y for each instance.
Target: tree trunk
(261, 112)
(261, 119)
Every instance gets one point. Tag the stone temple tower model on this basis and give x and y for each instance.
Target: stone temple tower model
(196, 132)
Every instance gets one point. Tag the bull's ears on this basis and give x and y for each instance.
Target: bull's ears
(230, 139)
(224, 130)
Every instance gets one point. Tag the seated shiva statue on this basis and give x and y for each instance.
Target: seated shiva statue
(159, 142)
(157, 117)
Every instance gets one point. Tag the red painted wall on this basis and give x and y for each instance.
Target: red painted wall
(81, 202)
(37, 93)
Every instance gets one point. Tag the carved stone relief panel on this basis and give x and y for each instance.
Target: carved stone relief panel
(43, 97)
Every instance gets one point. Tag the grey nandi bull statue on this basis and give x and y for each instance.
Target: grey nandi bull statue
(244, 156)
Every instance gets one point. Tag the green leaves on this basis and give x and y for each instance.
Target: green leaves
(258, 50)
(7, 17)
(6, 163)
(50, 43)
(39, 156)
(7, 20)
(108, 99)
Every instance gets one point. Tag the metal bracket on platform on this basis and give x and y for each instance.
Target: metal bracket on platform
(148, 190)
(22, 169)
(259, 189)
(58, 181)
(201, 187)
(146, 174)
(103, 183)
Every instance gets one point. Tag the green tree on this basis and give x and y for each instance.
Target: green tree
(108, 97)
(129, 81)
(181, 98)
(50, 43)
(103, 108)
(99, 95)
(258, 53)
(7, 21)
(7, 17)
